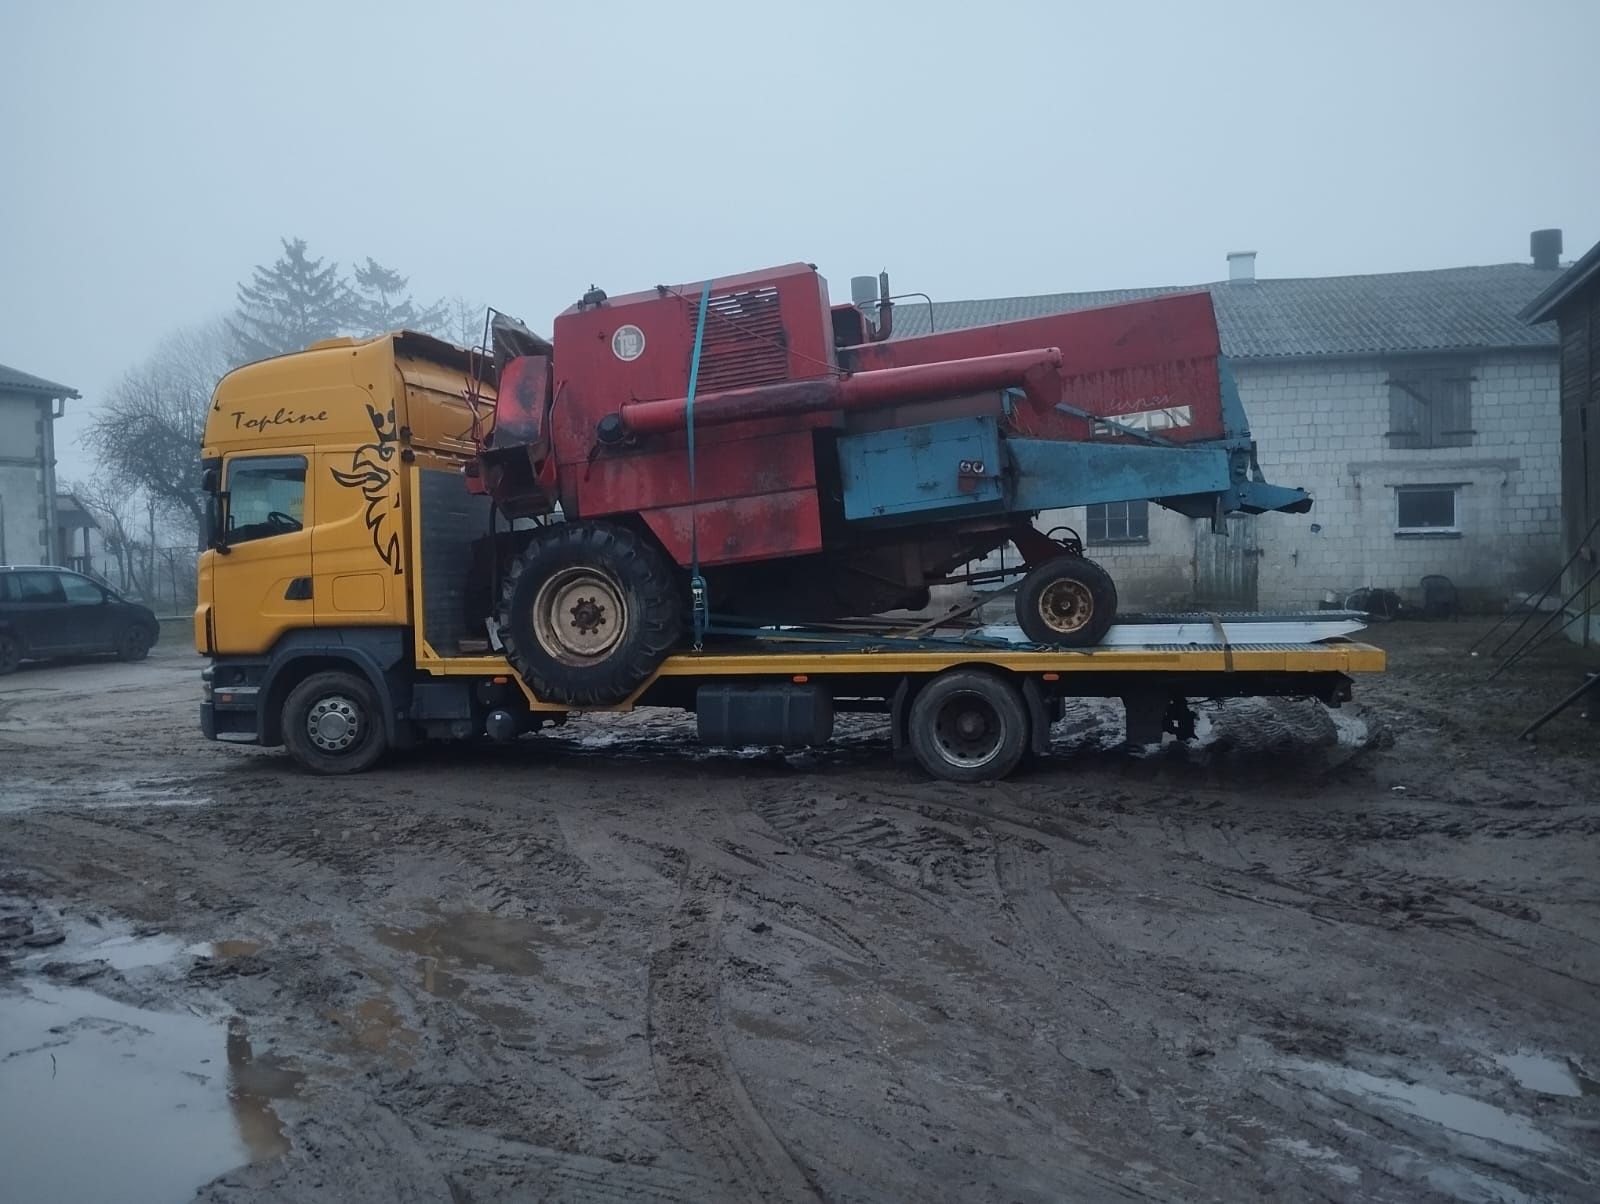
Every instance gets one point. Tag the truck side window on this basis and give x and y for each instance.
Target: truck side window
(266, 497)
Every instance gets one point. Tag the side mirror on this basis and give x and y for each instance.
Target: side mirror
(217, 519)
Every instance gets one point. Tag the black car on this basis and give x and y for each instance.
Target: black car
(48, 611)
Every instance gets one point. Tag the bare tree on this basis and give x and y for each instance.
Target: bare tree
(118, 514)
(461, 321)
(147, 433)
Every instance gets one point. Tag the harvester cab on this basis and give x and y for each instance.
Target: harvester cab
(810, 467)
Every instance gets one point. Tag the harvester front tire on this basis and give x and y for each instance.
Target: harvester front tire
(1068, 602)
(588, 612)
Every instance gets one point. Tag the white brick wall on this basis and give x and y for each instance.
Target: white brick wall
(1322, 426)
(24, 477)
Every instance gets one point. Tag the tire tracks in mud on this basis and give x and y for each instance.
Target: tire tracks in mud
(711, 1110)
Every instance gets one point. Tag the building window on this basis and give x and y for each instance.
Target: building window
(1425, 510)
(1118, 522)
(1430, 404)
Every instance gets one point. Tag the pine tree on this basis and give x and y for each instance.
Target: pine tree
(290, 305)
(384, 304)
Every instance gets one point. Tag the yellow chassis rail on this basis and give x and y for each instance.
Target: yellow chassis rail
(1334, 656)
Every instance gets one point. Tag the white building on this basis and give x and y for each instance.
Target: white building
(29, 406)
(1415, 407)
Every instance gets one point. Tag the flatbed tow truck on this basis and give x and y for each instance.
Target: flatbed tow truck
(344, 595)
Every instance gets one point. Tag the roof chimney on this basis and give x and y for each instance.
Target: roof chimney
(1545, 247)
(1241, 267)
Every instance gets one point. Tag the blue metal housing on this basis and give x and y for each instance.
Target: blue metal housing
(971, 466)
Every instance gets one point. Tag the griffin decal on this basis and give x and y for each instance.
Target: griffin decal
(373, 473)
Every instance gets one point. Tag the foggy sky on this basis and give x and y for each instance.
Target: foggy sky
(152, 153)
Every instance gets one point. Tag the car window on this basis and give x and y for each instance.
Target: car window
(5, 587)
(81, 591)
(43, 588)
(266, 497)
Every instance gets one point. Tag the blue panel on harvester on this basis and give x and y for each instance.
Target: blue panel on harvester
(1053, 474)
(917, 470)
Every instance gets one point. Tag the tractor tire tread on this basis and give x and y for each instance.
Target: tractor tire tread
(643, 570)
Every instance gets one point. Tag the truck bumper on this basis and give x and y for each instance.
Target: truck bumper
(229, 713)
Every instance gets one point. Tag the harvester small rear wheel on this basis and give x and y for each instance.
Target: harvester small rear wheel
(588, 611)
(1069, 602)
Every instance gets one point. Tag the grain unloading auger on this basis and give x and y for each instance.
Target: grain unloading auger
(797, 464)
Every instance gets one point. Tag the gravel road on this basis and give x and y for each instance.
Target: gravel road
(1311, 956)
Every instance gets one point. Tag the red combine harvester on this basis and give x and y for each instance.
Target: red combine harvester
(742, 448)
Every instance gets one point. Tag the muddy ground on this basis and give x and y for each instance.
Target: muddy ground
(1306, 957)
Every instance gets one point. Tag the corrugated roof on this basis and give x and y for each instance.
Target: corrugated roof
(1446, 310)
(13, 381)
(1543, 307)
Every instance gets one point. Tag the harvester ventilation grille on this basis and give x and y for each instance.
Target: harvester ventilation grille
(744, 342)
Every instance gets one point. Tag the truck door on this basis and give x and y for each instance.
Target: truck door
(261, 586)
(360, 535)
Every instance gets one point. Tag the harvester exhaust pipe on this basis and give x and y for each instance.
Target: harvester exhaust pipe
(862, 289)
(885, 311)
(1036, 373)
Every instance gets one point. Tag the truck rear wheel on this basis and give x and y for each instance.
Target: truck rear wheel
(331, 723)
(967, 725)
(1069, 602)
(588, 611)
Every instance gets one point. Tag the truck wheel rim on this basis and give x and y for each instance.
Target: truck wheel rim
(579, 616)
(969, 730)
(1066, 606)
(334, 723)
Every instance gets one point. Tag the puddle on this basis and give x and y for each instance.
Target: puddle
(24, 794)
(118, 945)
(1537, 1072)
(376, 1027)
(1460, 1113)
(477, 939)
(222, 951)
(100, 1100)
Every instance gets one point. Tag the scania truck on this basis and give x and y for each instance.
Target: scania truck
(348, 593)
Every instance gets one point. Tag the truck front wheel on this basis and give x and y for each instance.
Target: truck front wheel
(331, 723)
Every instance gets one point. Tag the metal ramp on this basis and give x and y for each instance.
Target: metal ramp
(1144, 631)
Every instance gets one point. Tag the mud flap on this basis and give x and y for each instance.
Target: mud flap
(900, 721)
(1040, 719)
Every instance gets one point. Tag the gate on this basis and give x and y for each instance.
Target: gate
(1226, 565)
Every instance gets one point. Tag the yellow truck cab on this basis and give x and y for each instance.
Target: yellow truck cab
(308, 461)
(346, 595)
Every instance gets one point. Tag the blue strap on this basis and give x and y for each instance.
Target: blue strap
(697, 584)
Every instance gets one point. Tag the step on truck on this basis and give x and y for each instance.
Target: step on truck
(353, 593)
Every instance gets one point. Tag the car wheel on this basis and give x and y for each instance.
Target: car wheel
(134, 644)
(331, 723)
(10, 653)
